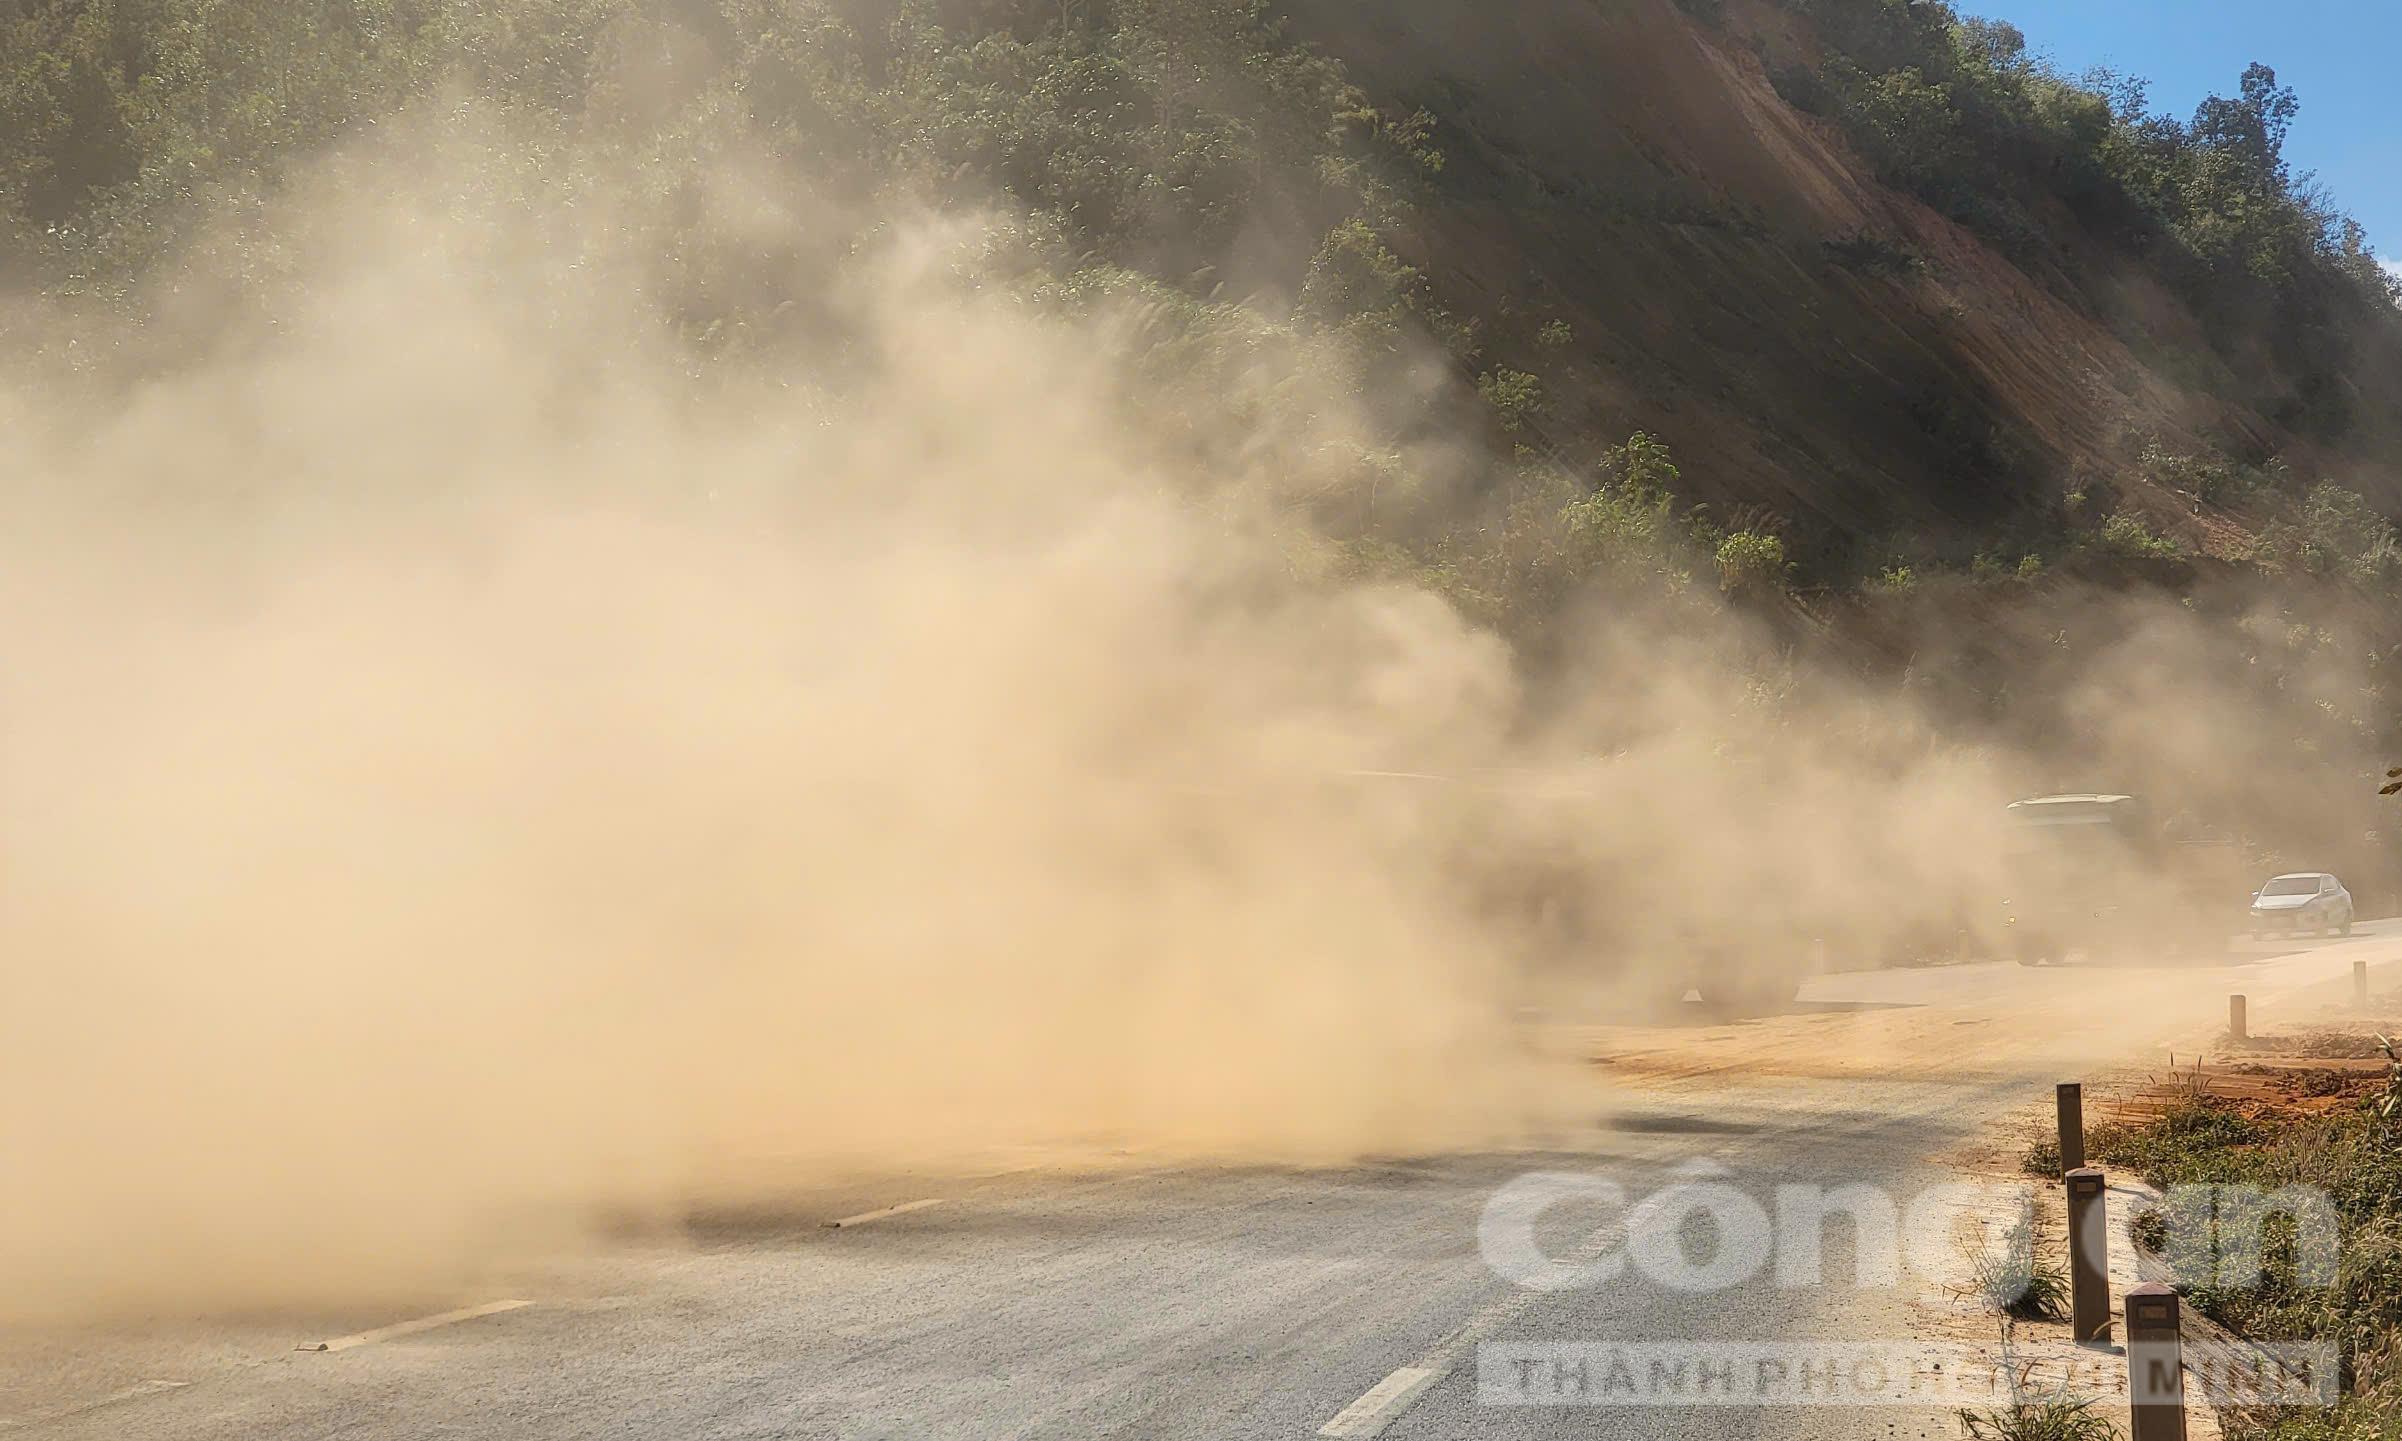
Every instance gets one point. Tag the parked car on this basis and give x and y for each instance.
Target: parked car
(2304, 901)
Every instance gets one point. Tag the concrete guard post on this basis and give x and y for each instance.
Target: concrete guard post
(2088, 1255)
(2070, 1097)
(2155, 1364)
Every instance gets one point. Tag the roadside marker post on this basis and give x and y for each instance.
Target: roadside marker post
(2070, 1097)
(2237, 1031)
(2155, 1364)
(2360, 985)
(2088, 1255)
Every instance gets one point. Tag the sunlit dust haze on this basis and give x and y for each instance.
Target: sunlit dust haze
(458, 762)
(473, 749)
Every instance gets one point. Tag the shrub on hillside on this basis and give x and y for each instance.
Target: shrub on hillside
(2337, 534)
(1749, 562)
(2127, 536)
(2209, 479)
(1516, 397)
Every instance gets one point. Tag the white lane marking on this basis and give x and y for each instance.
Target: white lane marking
(866, 1216)
(131, 1393)
(411, 1328)
(1385, 1400)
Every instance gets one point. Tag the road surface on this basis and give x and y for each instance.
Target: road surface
(1122, 1298)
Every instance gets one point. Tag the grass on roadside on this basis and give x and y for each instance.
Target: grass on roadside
(2353, 1156)
(2041, 1418)
(2013, 1281)
(2034, 1416)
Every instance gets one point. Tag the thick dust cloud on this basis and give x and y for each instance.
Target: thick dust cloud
(463, 762)
(473, 753)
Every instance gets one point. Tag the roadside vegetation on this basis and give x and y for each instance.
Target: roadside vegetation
(2034, 1416)
(2333, 1132)
(2011, 1278)
(2014, 1281)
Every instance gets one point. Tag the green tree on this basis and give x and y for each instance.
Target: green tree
(2252, 127)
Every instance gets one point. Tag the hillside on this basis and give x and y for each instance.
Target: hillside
(1886, 305)
(1807, 338)
(1882, 282)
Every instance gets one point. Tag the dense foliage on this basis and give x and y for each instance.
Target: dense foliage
(1962, 113)
(1145, 128)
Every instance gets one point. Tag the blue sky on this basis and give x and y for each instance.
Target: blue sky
(2343, 56)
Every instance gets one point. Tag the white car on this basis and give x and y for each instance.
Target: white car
(2305, 901)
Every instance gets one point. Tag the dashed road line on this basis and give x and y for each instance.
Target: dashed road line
(411, 1328)
(1387, 1399)
(866, 1216)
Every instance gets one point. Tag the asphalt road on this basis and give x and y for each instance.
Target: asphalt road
(1128, 1299)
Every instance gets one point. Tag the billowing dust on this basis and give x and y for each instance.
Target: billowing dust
(466, 758)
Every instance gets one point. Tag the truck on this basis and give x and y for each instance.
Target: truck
(2099, 874)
